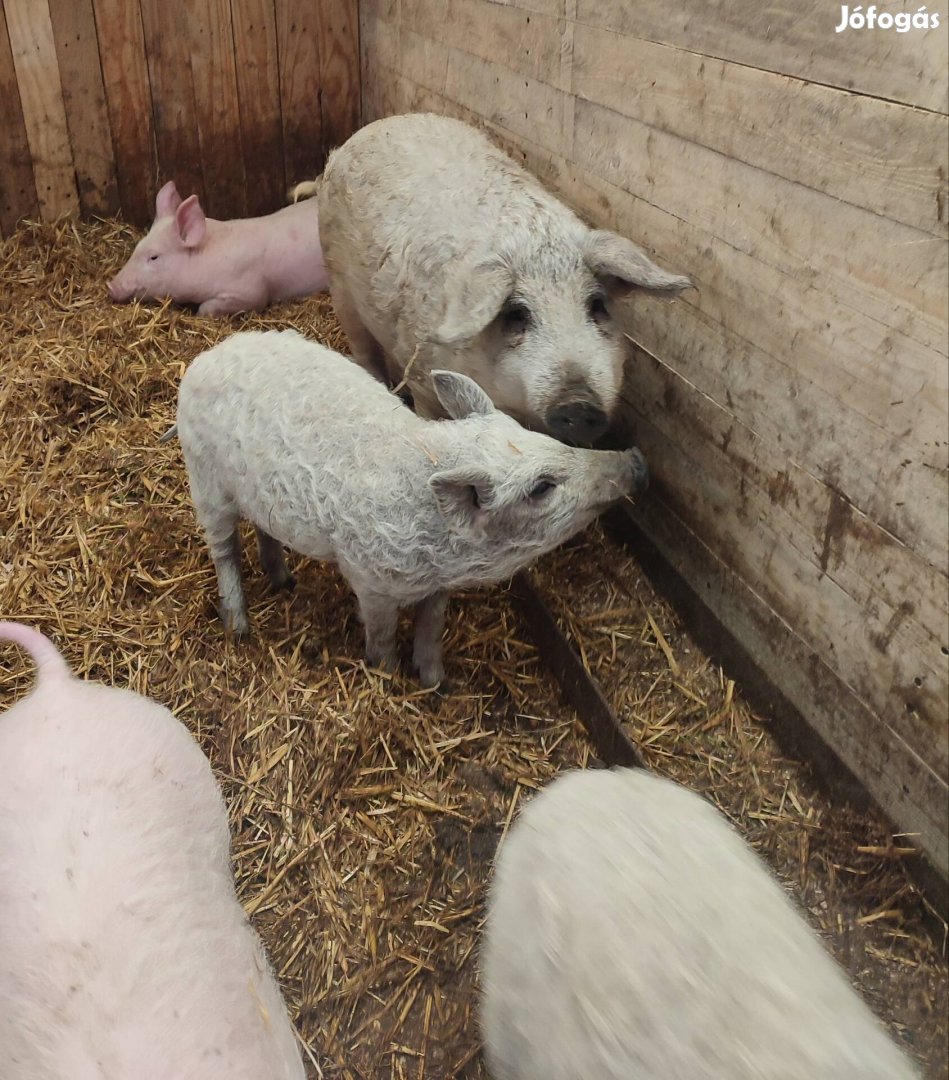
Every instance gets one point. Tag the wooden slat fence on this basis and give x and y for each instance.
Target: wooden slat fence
(104, 100)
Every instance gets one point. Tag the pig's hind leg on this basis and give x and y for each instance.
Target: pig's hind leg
(226, 553)
(380, 618)
(427, 653)
(218, 517)
(367, 352)
(273, 562)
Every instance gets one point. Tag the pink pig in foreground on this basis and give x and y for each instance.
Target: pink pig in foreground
(123, 949)
(223, 266)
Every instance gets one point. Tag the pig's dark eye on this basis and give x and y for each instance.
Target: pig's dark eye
(152, 258)
(596, 306)
(515, 317)
(541, 488)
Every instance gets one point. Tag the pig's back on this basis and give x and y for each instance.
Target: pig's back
(123, 949)
(283, 378)
(406, 196)
(304, 443)
(632, 934)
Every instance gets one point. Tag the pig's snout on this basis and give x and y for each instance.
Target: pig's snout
(640, 470)
(117, 293)
(580, 422)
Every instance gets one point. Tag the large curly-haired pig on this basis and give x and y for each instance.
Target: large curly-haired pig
(444, 253)
(123, 949)
(632, 935)
(321, 457)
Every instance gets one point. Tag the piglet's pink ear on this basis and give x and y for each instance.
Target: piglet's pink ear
(190, 222)
(167, 200)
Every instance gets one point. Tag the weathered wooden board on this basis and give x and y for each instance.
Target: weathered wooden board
(258, 87)
(794, 409)
(41, 98)
(298, 45)
(792, 38)
(528, 43)
(338, 35)
(838, 143)
(77, 53)
(216, 108)
(168, 50)
(17, 187)
(129, 98)
(232, 99)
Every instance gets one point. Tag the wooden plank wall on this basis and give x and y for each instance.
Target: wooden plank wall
(105, 100)
(794, 408)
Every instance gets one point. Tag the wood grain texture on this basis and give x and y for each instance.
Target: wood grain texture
(232, 99)
(254, 30)
(878, 155)
(298, 46)
(41, 97)
(17, 187)
(338, 31)
(128, 95)
(529, 43)
(216, 107)
(794, 409)
(87, 115)
(793, 38)
(168, 52)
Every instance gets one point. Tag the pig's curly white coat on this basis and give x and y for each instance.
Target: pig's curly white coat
(321, 457)
(632, 935)
(124, 951)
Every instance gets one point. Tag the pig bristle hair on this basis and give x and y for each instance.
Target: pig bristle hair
(43, 652)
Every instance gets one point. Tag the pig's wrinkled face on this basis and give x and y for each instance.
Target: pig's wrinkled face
(523, 491)
(556, 355)
(535, 326)
(153, 271)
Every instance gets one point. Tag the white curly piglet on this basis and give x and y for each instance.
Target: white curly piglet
(123, 949)
(632, 935)
(321, 457)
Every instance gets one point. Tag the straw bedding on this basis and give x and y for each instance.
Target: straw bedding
(365, 812)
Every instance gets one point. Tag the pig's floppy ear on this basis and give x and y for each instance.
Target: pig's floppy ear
(473, 296)
(190, 222)
(622, 267)
(167, 200)
(460, 396)
(463, 496)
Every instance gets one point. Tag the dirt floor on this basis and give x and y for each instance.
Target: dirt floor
(365, 813)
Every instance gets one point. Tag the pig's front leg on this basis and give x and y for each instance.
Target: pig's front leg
(233, 304)
(429, 625)
(226, 554)
(274, 562)
(380, 617)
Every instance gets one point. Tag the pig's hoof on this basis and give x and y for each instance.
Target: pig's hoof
(433, 679)
(287, 584)
(236, 625)
(387, 662)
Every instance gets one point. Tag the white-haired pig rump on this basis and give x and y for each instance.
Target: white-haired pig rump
(443, 253)
(322, 458)
(632, 935)
(123, 949)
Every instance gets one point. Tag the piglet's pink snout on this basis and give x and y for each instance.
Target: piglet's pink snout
(118, 293)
